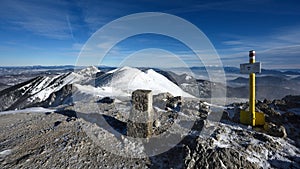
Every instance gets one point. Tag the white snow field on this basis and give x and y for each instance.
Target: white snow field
(123, 81)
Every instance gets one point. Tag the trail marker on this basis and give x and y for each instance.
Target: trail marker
(140, 120)
(251, 117)
(247, 68)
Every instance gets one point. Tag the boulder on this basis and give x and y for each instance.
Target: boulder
(161, 99)
(275, 130)
(107, 100)
(167, 101)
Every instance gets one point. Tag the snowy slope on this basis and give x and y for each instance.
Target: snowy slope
(28, 110)
(43, 90)
(48, 86)
(36, 90)
(119, 82)
(89, 71)
(128, 79)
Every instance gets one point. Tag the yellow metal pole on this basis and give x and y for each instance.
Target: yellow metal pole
(252, 88)
(251, 117)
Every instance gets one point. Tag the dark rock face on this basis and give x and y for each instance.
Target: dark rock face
(281, 122)
(275, 130)
(161, 100)
(163, 121)
(15, 96)
(174, 103)
(107, 100)
(270, 113)
(167, 101)
(56, 90)
(61, 97)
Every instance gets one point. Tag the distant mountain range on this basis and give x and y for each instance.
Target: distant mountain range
(55, 85)
(202, 68)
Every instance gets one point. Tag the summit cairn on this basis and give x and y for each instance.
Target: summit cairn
(141, 116)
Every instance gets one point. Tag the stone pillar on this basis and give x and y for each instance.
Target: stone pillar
(140, 120)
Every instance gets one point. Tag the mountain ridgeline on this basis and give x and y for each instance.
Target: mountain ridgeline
(55, 89)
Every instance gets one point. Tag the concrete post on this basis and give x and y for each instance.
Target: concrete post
(140, 120)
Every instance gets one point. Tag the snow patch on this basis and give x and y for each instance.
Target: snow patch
(188, 77)
(101, 91)
(28, 110)
(5, 152)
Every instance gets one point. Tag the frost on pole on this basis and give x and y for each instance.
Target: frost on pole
(141, 116)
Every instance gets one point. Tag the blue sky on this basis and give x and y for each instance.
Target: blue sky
(53, 32)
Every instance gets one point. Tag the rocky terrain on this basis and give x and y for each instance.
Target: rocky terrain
(79, 120)
(48, 138)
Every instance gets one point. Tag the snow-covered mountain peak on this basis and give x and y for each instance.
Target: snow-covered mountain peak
(124, 69)
(119, 82)
(129, 79)
(89, 71)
